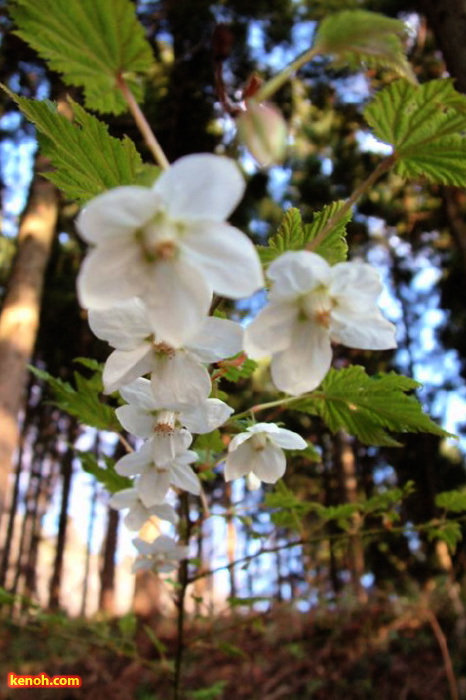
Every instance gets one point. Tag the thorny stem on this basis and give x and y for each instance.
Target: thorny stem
(143, 124)
(382, 168)
(183, 581)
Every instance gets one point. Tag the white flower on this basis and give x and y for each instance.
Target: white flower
(163, 554)
(169, 429)
(155, 479)
(259, 450)
(170, 245)
(138, 514)
(179, 377)
(312, 304)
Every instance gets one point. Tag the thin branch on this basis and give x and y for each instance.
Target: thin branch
(143, 125)
(382, 168)
(442, 642)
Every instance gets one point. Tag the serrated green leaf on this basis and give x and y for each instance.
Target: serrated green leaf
(368, 407)
(426, 125)
(357, 37)
(82, 402)
(105, 475)
(235, 368)
(87, 159)
(294, 235)
(454, 501)
(449, 532)
(90, 42)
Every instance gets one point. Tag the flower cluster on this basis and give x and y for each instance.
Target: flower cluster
(158, 256)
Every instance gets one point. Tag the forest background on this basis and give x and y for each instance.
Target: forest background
(384, 598)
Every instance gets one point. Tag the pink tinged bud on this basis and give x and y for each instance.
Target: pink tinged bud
(263, 130)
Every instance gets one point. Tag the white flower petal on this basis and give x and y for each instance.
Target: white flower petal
(201, 186)
(271, 330)
(124, 327)
(206, 416)
(297, 272)
(135, 462)
(180, 381)
(139, 393)
(227, 257)
(217, 339)
(165, 511)
(110, 274)
(305, 363)
(284, 438)
(269, 464)
(183, 477)
(363, 331)
(238, 461)
(351, 279)
(136, 517)
(153, 486)
(123, 366)
(118, 212)
(168, 445)
(178, 300)
(123, 499)
(136, 421)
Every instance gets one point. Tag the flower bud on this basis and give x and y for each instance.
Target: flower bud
(263, 130)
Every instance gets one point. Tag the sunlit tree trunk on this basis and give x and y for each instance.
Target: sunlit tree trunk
(19, 318)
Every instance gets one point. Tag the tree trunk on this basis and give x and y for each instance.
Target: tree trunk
(107, 574)
(345, 465)
(67, 473)
(20, 314)
(447, 19)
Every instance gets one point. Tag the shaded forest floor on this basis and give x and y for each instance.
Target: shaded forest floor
(380, 651)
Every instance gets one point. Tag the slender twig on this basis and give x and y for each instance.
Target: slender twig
(442, 642)
(382, 168)
(183, 581)
(271, 86)
(143, 124)
(125, 443)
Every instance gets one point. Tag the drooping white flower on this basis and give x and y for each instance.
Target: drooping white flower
(312, 304)
(169, 245)
(155, 479)
(163, 554)
(260, 450)
(169, 430)
(178, 374)
(138, 513)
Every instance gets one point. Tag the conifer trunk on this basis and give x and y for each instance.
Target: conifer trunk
(19, 318)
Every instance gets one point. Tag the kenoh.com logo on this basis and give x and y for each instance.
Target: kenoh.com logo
(42, 680)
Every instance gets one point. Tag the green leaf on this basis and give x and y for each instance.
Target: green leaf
(82, 402)
(90, 42)
(367, 407)
(87, 159)
(211, 442)
(449, 531)
(235, 368)
(454, 501)
(105, 475)
(294, 235)
(211, 693)
(357, 37)
(426, 126)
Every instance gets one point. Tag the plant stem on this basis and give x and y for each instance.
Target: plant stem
(143, 125)
(382, 168)
(183, 581)
(270, 404)
(270, 88)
